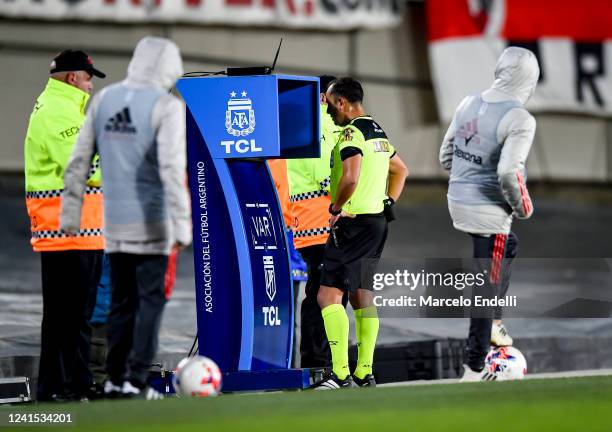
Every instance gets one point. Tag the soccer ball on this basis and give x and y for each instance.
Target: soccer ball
(506, 363)
(197, 376)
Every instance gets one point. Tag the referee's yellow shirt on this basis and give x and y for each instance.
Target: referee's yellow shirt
(363, 136)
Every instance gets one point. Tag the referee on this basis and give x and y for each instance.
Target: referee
(366, 175)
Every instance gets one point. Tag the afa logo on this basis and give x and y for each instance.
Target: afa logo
(240, 115)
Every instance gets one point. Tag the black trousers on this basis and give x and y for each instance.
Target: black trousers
(314, 347)
(494, 254)
(135, 316)
(97, 360)
(69, 288)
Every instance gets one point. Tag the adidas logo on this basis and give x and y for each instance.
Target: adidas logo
(121, 122)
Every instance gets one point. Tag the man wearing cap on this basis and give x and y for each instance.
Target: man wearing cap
(70, 264)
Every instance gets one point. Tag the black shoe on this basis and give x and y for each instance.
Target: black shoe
(367, 381)
(95, 392)
(332, 382)
(62, 397)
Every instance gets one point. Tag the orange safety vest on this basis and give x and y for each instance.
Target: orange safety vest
(307, 214)
(309, 189)
(44, 209)
(52, 132)
(310, 217)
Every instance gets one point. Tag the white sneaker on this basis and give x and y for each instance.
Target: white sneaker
(470, 375)
(152, 394)
(128, 390)
(500, 336)
(111, 390)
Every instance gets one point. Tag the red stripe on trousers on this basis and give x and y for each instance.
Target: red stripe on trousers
(499, 247)
(170, 277)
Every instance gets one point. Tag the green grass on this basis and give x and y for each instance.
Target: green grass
(571, 404)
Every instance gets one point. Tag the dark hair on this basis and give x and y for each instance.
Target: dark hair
(349, 88)
(325, 81)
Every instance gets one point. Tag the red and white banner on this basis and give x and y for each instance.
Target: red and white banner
(571, 39)
(324, 14)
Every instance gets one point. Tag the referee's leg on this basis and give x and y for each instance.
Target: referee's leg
(336, 327)
(366, 330)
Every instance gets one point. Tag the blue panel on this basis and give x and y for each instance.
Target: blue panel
(266, 380)
(245, 269)
(237, 116)
(290, 249)
(217, 290)
(271, 275)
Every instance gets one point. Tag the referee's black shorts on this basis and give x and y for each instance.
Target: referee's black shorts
(360, 238)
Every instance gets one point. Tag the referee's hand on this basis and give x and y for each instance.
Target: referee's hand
(333, 219)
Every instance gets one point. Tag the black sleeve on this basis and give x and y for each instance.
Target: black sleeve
(348, 152)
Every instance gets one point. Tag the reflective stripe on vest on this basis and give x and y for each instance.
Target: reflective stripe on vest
(308, 195)
(62, 234)
(325, 183)
(44, 209)
(313, 194)
(311, 232)
(58, 192)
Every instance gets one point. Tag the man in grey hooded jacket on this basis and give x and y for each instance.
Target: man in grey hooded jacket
(485, 149)
(138, 129)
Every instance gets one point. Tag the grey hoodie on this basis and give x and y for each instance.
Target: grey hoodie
(516, 77)
(154, 68)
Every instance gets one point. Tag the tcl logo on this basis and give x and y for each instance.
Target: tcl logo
(271, 316)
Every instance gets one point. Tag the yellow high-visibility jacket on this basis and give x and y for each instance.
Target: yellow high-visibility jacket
(52, 132)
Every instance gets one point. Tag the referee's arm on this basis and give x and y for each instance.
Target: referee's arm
(351, 168)
(398, 171)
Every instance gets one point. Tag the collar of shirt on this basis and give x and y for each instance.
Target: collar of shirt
(67, 91)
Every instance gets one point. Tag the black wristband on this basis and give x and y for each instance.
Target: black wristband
(332, 212)
(388, 209)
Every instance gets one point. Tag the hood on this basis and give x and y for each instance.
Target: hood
(517, 73)
(156, 61)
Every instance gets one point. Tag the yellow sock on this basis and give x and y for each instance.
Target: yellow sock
(366, 322)
(337, 329)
